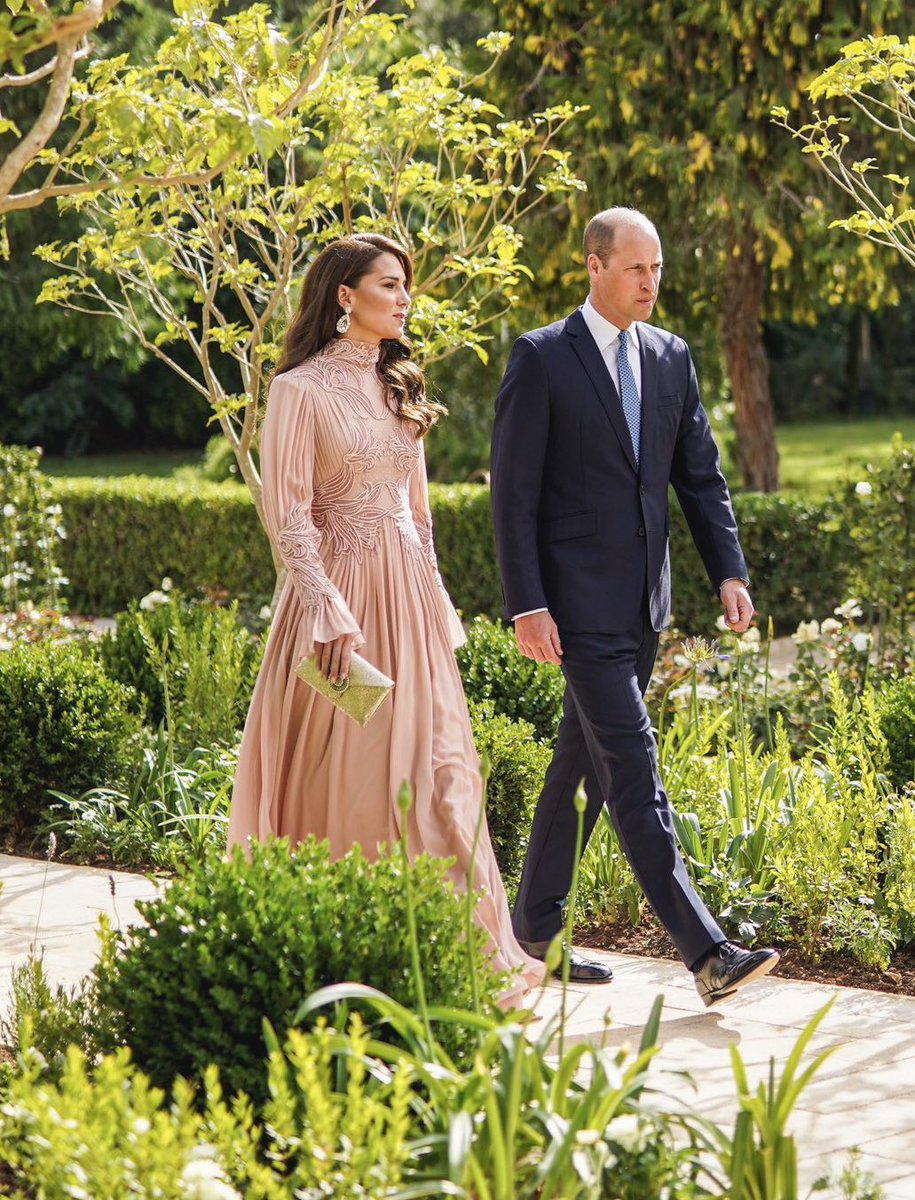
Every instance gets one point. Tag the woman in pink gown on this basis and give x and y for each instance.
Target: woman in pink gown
(346, 503)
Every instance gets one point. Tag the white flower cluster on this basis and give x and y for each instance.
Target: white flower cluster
(203, 1178)
(850, 610)
(160, 596)
(629, 1132)
(811, 631)
(807, 631)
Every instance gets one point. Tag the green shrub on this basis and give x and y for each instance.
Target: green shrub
(797, 552)
(48, 1018)
(101, 1133)
(209, 659)
(66, 724)
(30, 532)
(342, 1120)
(126, 534)
(881, 511)
(494, 669)
(518, 763)
(219, 464)
(897, 722)
(230, 943)
(466, 547)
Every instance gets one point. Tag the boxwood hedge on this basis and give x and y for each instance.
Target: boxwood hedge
(125, 534)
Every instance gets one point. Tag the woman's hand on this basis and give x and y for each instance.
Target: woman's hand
(333, 658)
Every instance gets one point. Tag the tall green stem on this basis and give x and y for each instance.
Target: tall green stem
(485, 771)
(742, 731)
(405, 803)
(767, 678)
(581, 803)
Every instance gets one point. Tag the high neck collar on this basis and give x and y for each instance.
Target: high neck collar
(360, 354)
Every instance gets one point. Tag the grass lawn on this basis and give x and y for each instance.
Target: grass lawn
(161, 463)
(818, 456)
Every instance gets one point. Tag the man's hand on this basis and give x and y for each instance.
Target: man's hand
(737, 605)
(538, 637)
(333, 658)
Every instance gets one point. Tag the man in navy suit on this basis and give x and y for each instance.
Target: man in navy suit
(596, 416)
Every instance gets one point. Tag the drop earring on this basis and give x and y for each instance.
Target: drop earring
(343, 323)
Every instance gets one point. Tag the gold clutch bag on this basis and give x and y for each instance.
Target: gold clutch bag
(359, 695)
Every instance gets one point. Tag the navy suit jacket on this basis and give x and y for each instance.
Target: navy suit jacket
(580, 529)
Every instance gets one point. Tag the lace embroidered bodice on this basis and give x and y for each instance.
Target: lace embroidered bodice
(367, 470)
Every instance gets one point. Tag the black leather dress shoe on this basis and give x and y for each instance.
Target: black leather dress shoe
(581, 970)
(728, 967)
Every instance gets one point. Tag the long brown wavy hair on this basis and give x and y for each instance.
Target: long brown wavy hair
(345, 261)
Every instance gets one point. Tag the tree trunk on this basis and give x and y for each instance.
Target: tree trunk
(853, 366)
(742, 293)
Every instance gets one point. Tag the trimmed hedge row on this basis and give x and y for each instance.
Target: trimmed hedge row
(798, 552)
(125, 535)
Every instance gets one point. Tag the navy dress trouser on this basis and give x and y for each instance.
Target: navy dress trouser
(605, 737)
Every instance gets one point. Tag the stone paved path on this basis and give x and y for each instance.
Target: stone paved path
(863, 1096)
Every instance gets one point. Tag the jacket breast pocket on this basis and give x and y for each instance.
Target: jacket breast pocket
(671, 400)
(572, 525)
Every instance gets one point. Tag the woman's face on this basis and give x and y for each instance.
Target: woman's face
(379, 301)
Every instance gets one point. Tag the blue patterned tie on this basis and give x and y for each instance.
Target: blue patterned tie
(629, 393)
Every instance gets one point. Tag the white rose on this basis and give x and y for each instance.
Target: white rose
(807, 631)
(202, 1179)
(152, 599)
(861, 642)
(627, 1131)
(830, 626)
(265, 614)
(722, 624)
(203, 1150)
(863, 489)
(751, 636)
(9, 510)
(850, 609)
(166, 584)
(588, 1137)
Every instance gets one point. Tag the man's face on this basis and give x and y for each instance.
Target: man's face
(625, 290)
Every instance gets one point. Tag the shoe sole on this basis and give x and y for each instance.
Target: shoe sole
(710, 998)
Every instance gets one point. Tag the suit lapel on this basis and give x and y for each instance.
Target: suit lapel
(648, 356)
(593, 362)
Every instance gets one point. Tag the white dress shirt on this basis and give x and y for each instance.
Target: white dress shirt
(607, 337)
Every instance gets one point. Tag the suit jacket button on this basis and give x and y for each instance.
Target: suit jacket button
(641, 531)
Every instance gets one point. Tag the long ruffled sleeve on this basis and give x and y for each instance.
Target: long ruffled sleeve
(287, 471)
(422, 519)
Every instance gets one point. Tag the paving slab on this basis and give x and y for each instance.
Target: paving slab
(863, 1095)
(54, 908)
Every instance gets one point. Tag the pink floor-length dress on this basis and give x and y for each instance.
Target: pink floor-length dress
(346, 502)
